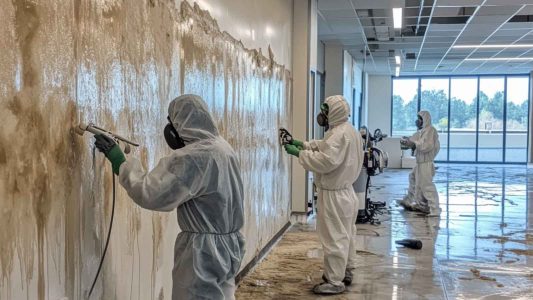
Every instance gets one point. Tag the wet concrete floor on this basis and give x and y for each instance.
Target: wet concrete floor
(480, 248)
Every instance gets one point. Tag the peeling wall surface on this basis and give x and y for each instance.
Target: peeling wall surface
(118, 64)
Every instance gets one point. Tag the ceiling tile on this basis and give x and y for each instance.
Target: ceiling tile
(507, 2)
(376, 4)
(512, 53)
(481, 54)
(445, 27)
(494, 20)
(446, 11)
(341, 27)
(455, 56)
(440, 39)
(528, 10)
(444, 33)
(512, 32)
(502, 39)
(504, 9)
(328, 37)
(459, 2)
(324, 5)
(514, 25)
(338, 14)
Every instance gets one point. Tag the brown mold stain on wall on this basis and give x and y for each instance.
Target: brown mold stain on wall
(38, 161)
(119, 64)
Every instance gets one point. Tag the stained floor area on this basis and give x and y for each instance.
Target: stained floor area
(480, 248)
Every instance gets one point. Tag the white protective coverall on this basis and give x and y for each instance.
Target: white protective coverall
(202, 180)
(422, 194)
(336, 162)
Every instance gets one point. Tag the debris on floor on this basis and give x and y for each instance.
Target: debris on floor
(288, 272)
(528, 239)
(475, 272)
(477, 275)
(528, 252)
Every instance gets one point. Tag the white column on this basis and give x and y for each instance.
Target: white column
(334, 70)
(379, 103)
(303, 47)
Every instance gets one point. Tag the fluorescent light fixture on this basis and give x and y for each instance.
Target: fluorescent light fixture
(493, 46)
(500, 59)
(397, 71)
(398, 60)
(397, 17)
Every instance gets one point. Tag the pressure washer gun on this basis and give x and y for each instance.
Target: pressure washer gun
(81, 128)
(403, 145)
(285, 137)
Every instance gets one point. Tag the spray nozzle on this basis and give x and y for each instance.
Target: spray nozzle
(285, 137)
(81, 128)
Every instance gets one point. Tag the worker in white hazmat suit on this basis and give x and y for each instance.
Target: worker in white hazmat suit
(422, 194)
(201, 178)
(336, 162)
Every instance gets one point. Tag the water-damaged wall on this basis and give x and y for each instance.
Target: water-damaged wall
(118, 64)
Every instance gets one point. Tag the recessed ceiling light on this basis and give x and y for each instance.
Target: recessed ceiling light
(493, 46)
(398, 60)
(397, 17)
(500, 59)
(397, 71)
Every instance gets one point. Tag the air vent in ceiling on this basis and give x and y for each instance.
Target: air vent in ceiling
(450, 20)
(522, 19)
(373, 47)
(410, 55)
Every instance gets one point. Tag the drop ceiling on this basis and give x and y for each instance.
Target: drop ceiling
(430, 30)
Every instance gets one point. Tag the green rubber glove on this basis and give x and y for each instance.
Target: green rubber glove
(111, 150)
(116, 157)
(298, 144)
(292, 150)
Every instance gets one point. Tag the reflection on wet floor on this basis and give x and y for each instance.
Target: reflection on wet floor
(482, 246)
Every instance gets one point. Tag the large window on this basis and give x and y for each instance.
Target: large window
(479, 118)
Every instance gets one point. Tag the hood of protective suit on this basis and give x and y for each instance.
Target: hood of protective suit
(191, 118)
(339, 110)
(426, 118)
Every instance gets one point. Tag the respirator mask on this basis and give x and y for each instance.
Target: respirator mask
(322, 117)
(174, 141)
(419, 122)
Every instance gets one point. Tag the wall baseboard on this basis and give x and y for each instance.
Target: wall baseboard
(249, 267)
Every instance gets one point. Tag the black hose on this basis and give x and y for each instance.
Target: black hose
(366, 193)
(107, 239)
